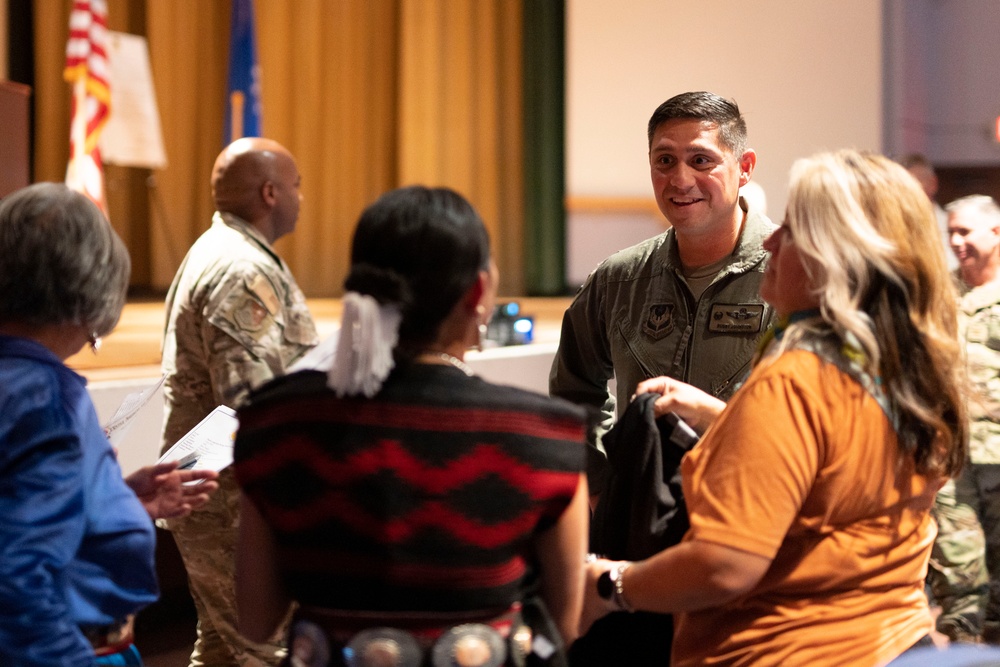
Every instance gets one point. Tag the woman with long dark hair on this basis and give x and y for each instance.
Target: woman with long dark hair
(413, 510)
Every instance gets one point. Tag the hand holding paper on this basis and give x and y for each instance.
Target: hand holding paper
(164, 491)
(209, 445)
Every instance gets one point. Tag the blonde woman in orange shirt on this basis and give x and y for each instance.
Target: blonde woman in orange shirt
(809, 494)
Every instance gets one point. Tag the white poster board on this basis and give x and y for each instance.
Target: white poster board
(132, 136)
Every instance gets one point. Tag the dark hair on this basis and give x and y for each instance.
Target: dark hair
(707, 107)
(421, 249)
(60, 260)
(911, 160)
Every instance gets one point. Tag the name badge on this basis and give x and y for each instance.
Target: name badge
(736, 318)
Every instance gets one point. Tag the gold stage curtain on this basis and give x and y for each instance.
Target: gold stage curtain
(460, 113)
(367, 94)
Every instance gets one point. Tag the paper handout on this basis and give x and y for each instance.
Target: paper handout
(320, 358)
(209, 445)
(117, 426)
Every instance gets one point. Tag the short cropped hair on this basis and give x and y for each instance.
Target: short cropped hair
(982, 205)
(60, 261)
(705, 107)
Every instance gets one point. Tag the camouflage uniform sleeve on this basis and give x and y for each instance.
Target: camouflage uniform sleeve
(982, 336)
(244, 334)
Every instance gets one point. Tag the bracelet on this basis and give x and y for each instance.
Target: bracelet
(619, 593)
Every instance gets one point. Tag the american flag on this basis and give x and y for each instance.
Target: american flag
(87, 70)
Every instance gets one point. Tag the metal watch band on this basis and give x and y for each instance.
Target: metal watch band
(618, 597)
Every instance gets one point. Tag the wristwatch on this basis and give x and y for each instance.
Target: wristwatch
(609, 586)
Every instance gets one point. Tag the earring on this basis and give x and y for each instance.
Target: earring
(95, 342)
(482, 328)
(482, 338)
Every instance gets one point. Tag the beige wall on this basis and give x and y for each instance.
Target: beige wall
(807, 74)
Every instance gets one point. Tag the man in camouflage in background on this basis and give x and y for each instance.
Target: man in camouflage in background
(235, 319)
(958, 575)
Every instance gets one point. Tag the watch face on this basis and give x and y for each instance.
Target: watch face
(605, 587)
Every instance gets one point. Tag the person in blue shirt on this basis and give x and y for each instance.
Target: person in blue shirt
(76, 539)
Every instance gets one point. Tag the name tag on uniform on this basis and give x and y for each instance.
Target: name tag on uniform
(261, 287)
(736, 318)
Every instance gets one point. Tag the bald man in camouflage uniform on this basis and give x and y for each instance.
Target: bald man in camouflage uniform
(958, 574)
(235, 319)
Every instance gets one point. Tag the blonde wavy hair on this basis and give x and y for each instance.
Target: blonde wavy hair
(869, 243)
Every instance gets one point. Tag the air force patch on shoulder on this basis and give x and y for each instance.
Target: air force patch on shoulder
(736, 318)
(660, 320)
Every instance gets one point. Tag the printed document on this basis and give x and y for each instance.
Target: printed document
(209, 445)
(118, 425)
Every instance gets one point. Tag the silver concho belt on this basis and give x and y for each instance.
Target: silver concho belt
(463, 645)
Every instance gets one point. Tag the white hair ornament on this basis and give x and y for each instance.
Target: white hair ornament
(368, 335)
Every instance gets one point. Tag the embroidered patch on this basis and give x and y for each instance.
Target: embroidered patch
(659, 321)
(261, 287)
(736, 318)
(250, 315)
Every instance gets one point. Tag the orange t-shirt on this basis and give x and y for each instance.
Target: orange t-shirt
(804, 467)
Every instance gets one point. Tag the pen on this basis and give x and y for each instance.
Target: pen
(187, 461)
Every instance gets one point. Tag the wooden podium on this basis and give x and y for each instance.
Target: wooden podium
(15, 125)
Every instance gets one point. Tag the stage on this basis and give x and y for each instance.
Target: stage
(129, 361)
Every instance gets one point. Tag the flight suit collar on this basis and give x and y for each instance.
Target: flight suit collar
(749, 249)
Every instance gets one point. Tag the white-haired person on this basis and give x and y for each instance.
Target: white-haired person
(76, 540)
(810, 492)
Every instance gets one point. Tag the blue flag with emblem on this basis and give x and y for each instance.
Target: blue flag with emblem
(243, 108)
